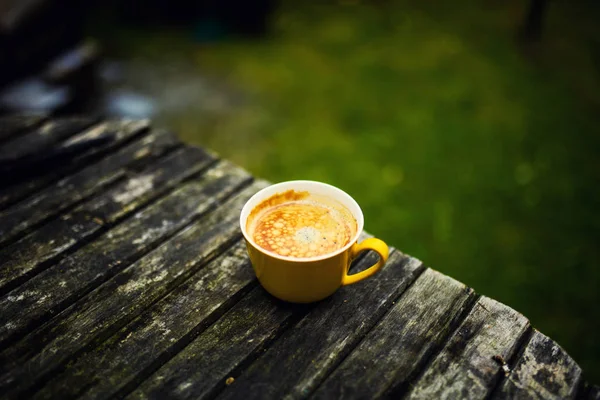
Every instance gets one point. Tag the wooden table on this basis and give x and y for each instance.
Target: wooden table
(123, 274)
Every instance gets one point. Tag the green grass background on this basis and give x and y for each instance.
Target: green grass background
(465, 151)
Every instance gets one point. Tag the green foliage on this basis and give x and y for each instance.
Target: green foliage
(461, 151)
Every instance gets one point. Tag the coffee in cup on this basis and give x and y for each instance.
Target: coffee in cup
(302, 236)
(301, 224)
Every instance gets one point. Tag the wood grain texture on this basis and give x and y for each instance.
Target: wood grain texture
(48, 134)
(124, 131)
(124, 274)
(465, 367)
(13, 125)
(108, 308)
(226, 347)
(390, 355)
(54, 199)
(165, 328)
(142, 187)
(23, 258)
(241, 335)
(543, 371)
(57, 287)
(304, 356)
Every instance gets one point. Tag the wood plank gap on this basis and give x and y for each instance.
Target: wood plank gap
(469, 363)
(117, 177)
(56, 212)
(21, 123)
(258, 297)
(101, 152)
(364, 335)
(109, 367)
(103, 207)
(281, 316)
(165, 357)
(33, 360)
(125, 263)
(512, 361)
(75, 247)
(542, 370)
(285, 326)
(296, 363)
(120, 323)
(50, 134)
(402, 390)
(144, 164)
(21, 192)
(83, 239)
(161, 193)
(198, 174)
(292, 320)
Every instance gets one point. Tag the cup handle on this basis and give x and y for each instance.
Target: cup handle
(368, 244)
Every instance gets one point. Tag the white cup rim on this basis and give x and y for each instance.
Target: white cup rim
(338, 194)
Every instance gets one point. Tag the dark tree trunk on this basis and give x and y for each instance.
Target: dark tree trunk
(533, 25)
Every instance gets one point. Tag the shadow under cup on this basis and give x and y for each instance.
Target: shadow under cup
(305, 280)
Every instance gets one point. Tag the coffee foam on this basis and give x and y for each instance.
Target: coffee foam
(301, 225)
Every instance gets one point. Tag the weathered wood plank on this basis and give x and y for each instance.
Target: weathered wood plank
(182, 315)
(50, 133)
(12, 125)
(55, 288)
(24, 257)
(58, 286)
(200, 370)
(35, 155)
(544, 371)
(51, 201)
(124, 131)
(402, 342)
(108, 308)
(465, 367)
(148, 184)
(304, 356)
(165, 328)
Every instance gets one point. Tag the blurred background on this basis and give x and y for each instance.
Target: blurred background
(469, 131)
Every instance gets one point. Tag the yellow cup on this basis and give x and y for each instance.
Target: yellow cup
(304, 280)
